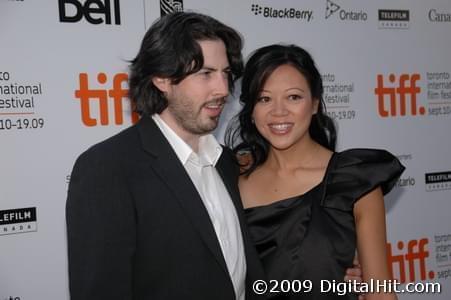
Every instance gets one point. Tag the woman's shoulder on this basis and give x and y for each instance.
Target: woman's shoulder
(365, 156)
(355, 172)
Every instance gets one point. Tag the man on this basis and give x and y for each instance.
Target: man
(154, 211)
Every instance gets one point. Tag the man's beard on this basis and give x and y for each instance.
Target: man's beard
(189, 117)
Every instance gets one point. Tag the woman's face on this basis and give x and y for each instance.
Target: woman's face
(284, 108)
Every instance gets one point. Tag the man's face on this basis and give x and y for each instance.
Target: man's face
(195, 104)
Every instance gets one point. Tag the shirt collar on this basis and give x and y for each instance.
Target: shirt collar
(209, 148)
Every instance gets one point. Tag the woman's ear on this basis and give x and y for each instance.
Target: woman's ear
(315, 106)
(161, 83)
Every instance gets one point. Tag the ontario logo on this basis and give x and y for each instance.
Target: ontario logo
(103, 97)
(282, 13)
(344, 14)
(399, 96)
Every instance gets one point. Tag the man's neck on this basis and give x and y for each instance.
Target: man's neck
(191, 139)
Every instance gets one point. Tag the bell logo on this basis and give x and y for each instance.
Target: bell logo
(405, 260)
(92, 10)
(117, 94)
(397, 96)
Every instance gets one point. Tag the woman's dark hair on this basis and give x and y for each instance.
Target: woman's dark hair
(242, 135)
(170, 49)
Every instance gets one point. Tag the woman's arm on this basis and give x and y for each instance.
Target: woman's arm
(369, 214)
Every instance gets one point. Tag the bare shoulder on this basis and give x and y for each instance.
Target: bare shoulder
(250, 186)
(324, 155)
(245, 187)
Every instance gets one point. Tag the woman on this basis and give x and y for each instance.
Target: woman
(308, 207)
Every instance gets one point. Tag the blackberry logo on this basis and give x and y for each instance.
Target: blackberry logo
(282, 13)
(257, 9)
(331, 8)
(170, 6)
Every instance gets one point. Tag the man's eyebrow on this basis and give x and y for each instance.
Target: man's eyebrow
(207, 68)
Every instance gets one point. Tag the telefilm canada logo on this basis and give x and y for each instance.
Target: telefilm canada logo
(170, 6)
(18, 220)
(95, 12)
(344, 14)
(282, 13)
(438, 181)
(394, 18)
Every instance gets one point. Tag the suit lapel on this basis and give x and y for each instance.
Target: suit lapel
(173, 174)
(229, 174)
(230, 178)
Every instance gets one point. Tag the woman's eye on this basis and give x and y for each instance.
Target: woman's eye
(295, 97)
(263, 99)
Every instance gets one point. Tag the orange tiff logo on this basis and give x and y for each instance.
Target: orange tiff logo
(409, 261)
(397, 95)
(116, 95)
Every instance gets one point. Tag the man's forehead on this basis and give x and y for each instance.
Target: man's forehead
(214, 54)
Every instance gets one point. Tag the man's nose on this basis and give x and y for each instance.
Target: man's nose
(222, 85)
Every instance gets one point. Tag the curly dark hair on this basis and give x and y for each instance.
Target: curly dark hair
(170, 49)
(242, 135)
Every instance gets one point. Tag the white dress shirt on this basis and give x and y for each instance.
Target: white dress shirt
(201, 169)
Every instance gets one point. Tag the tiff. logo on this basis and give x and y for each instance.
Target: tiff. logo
(117, 94)
(72, 11)
(397, 96)
(416, 253)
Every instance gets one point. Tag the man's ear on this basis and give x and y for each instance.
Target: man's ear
(161, 83)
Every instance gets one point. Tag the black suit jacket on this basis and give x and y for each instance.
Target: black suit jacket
(138, 229)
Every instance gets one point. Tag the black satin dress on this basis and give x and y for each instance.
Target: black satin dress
(312, 236)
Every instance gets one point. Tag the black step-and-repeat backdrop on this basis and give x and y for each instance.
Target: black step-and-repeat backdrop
(63, 83)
